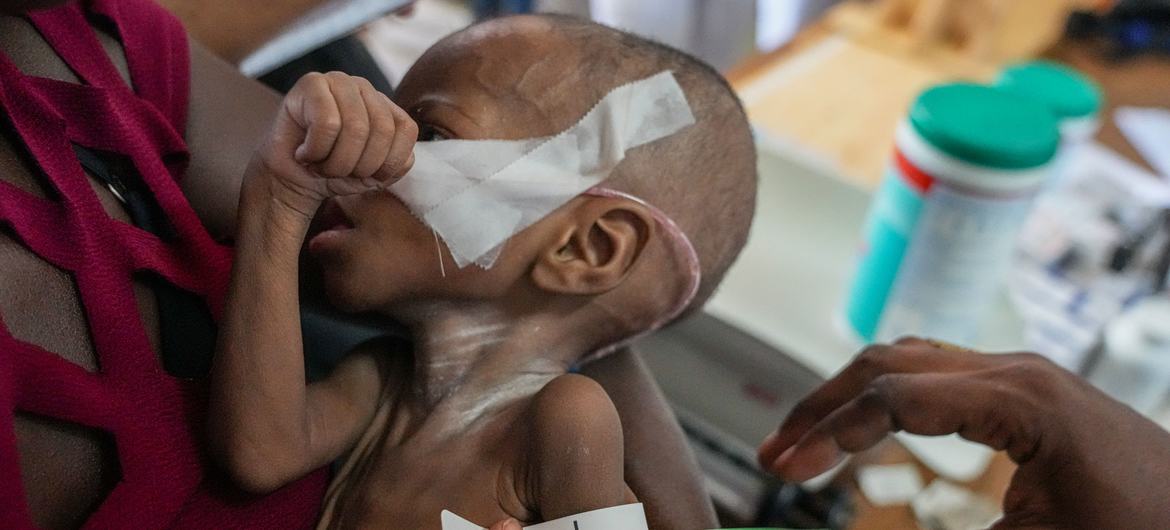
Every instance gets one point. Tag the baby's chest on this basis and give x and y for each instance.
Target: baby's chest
(410, 491)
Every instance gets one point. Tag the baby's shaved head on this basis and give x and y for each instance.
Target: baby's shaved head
(704, 177)
(536, 75)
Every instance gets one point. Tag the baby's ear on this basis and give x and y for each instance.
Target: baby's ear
(597, 249)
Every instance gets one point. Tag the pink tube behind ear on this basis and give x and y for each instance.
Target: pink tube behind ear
(683, 250)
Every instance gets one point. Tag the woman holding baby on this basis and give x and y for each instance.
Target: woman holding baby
(123, 151)
(98, 239)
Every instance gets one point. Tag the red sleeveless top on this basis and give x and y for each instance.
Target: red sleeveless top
(156, 420)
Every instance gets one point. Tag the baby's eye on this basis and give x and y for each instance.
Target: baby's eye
(430, 133)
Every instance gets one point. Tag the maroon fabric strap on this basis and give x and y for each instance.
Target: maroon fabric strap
(156, 420)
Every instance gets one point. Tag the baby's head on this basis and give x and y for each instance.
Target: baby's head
(606, 263)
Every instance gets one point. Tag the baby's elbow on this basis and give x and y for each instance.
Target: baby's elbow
(253, 467)
(254, 472)
(258, 483)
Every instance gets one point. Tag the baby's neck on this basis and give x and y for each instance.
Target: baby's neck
(487, 357)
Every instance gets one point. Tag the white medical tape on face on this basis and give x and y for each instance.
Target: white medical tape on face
(628, 517)
(478, 193)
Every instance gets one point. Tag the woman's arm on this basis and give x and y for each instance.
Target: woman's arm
(228, 118)
(333, 134)
(233, 29)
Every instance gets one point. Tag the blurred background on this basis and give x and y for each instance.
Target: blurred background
(992, 172)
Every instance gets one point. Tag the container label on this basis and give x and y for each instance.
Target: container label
(627, 517)
(954, 265)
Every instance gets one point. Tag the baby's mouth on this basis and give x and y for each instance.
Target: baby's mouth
(332, 226)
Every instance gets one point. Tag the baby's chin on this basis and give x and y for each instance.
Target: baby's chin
(344, 294)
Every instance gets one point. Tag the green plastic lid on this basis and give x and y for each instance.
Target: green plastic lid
(1067, 92)
(985, 126)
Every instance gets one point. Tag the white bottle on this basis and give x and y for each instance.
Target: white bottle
(1134, 366)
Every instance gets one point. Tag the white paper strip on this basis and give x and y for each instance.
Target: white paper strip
(1148, 129)
(628, 517)
(891, 485)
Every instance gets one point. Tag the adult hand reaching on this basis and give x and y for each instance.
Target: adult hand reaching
(1085, 460)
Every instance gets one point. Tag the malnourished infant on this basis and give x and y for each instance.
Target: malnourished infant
(484, 418)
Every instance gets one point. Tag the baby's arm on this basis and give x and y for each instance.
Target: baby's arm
(577, 461)
(334, 135)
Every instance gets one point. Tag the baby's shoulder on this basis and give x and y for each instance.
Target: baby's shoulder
(576, 458)
(574, 407)
(573, 424)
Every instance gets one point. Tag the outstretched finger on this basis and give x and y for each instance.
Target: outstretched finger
(968, 404)
(907, 356)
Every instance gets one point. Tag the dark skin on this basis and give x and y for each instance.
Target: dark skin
(487, 399)
(1085, 460)
(67, 469)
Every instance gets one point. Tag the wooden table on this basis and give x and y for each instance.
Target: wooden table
(848, 109)
(1142, 82)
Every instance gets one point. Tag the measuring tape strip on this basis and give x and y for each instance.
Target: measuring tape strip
(627, 517)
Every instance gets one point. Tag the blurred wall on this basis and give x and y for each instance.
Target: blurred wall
(568, 7)
(720, 32)
(777, 21)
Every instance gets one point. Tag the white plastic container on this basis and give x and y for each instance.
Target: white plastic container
(1134, 366)
(968, 162)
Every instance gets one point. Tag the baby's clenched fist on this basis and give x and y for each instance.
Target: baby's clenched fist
(335, 135)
